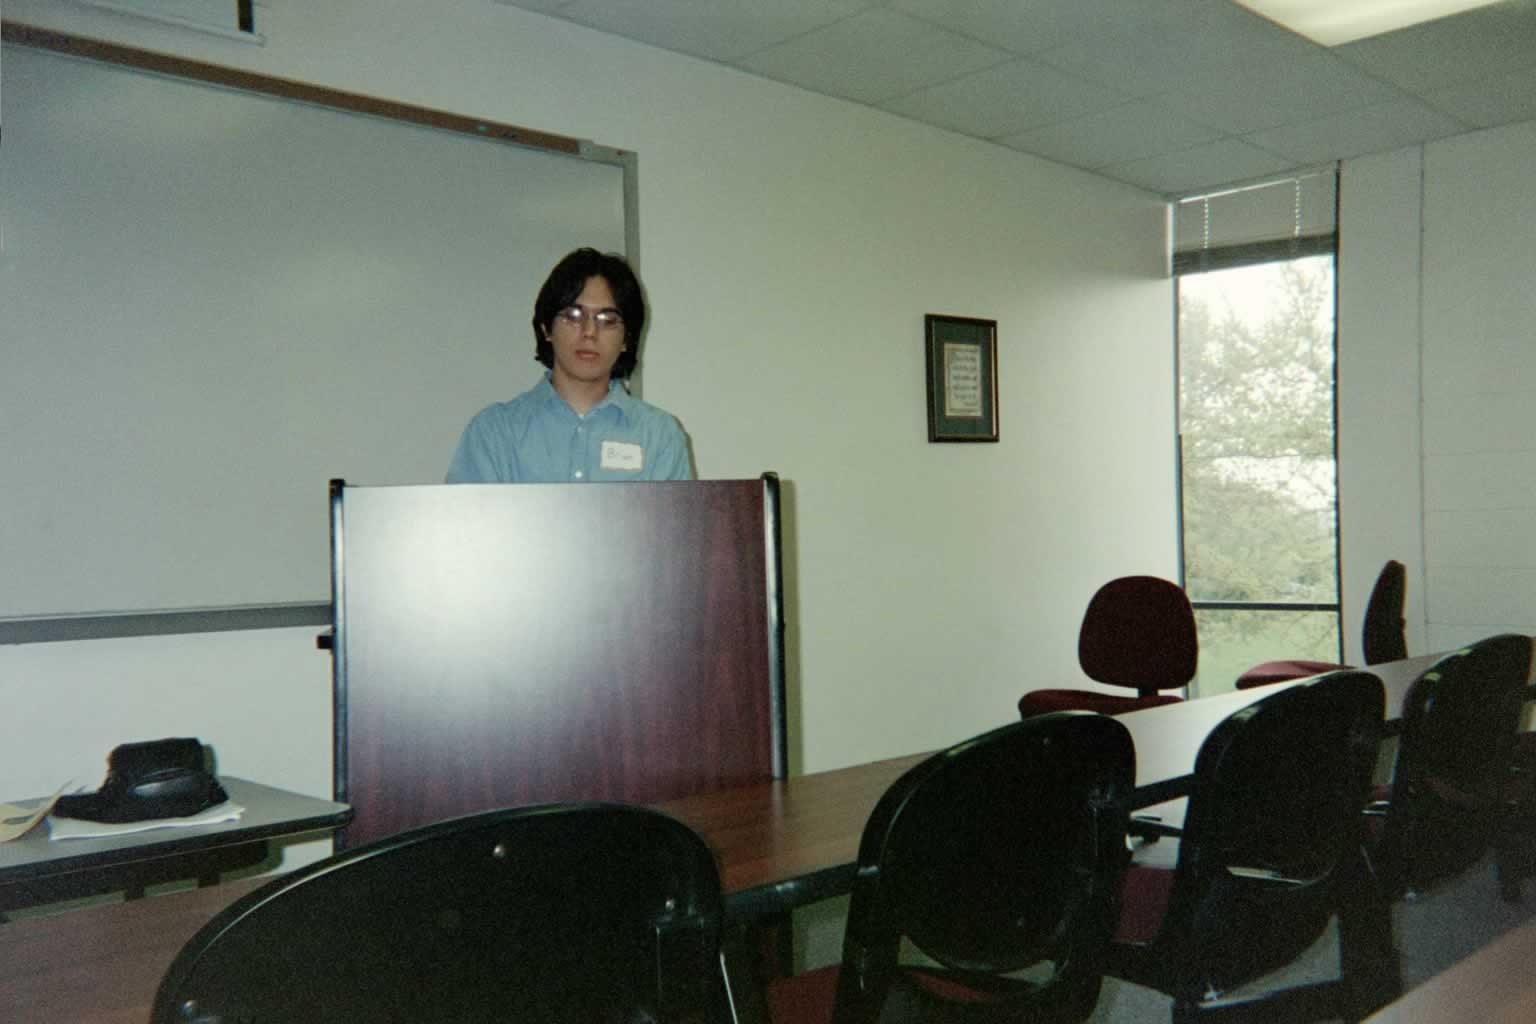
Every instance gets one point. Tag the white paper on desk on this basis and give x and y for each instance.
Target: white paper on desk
(16, 822)
(74, 828)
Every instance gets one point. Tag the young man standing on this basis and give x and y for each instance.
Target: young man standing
(579, 424)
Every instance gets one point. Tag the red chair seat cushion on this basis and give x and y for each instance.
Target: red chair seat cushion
(1143, 903)
(1041, 702)
(803, 998)
(1283, 671)
(808, 998)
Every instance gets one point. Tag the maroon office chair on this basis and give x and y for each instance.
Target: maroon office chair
(1382, 634)
(1272, 847)
(999, 854)
(1138, 632)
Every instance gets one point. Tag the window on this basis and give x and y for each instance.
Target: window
(1258, 471)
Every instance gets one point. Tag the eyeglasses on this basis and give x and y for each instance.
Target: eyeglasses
(606, 319)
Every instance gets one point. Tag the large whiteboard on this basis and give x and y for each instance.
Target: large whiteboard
(212, 302)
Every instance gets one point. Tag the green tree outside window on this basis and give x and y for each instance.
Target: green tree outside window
(1256, 420)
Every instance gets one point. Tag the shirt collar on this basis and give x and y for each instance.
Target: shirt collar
(618, 398)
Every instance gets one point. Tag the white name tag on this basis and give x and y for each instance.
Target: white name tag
(624, 456)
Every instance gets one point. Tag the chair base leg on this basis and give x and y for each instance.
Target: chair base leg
(1370, 966)
(1321, 1002)
(1512, 863)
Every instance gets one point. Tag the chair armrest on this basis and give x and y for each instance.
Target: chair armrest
(1150, 828)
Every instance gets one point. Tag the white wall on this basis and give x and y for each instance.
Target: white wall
(1437, 350)
(790, 245)
(1480, 384)
(1380, 501)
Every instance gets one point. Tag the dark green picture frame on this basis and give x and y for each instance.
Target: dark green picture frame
(962, 378)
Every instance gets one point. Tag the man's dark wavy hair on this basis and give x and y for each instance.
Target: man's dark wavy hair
(563, 286)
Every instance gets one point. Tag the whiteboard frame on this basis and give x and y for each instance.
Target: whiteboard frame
(162, 622)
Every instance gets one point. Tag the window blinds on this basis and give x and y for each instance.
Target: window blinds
(1270, 220)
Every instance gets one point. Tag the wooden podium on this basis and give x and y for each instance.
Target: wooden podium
(498, 645)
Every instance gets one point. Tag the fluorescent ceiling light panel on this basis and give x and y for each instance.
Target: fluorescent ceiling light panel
(1335, 22)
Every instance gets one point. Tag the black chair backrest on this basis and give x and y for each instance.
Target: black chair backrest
(1383, 630)
(1139, 631)
(581, 912)
(996, 854)
(1460, 719)
(1273, 826)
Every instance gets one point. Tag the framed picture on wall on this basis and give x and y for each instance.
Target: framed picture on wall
(962, 378)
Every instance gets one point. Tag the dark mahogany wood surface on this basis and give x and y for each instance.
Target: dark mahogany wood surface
(101, 965)
(789, 841)
(500, 646)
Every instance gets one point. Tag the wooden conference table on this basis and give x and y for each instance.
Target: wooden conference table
(788, 843)
(780, 844)
(1488, 987)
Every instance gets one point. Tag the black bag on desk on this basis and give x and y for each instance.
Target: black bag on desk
(155, 779)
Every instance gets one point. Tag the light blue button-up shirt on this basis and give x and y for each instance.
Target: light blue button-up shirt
(538, 438)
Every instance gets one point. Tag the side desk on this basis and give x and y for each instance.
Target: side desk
(780, 845)
(35, 869)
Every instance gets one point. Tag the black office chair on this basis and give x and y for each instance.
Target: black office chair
(558, 913)
(1271, 849)
(1138, 632)
(1382, 633)
(997, 854)
(1515, 835)
(1449, 783)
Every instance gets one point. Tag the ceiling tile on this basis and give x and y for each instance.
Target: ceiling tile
(873, 57)
(1028, 28)
(1170, 95)
(1486, 102)
(1451, 51)
(1134, 131)
(718, 29)
(537, 6)
(1244, 98)
(1353, 133)
(1179, 51)
(1190, 170)
(1005, 99)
